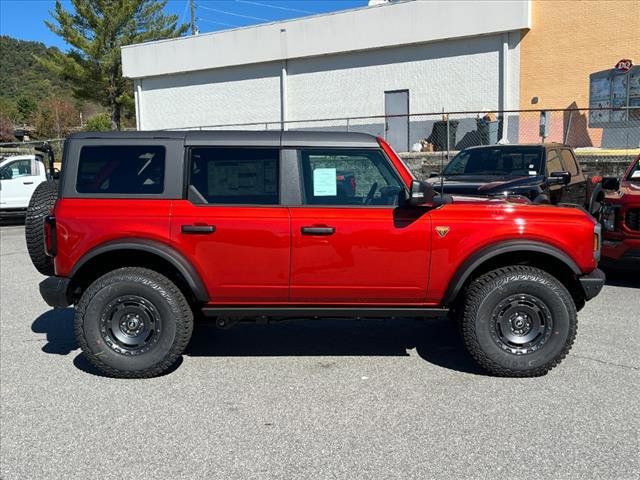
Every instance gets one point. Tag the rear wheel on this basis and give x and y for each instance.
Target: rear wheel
(133, 323)
(42, 202)
(518, 321)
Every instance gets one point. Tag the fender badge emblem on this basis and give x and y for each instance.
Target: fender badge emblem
(442, 231)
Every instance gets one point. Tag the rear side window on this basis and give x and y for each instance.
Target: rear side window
(234, 176)
(121, 169)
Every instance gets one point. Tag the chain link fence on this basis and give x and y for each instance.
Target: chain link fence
(605, 140)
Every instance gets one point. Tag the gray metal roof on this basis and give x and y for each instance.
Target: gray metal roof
(244, 137)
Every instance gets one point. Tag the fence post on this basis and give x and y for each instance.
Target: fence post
(448, 138)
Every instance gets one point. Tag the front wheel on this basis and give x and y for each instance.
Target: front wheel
(518, 321)
(133, 323)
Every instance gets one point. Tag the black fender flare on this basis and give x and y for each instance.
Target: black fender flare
(164, 251)
(478, 258)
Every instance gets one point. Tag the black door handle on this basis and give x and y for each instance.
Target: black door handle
(28, 183)
(198, 229)
(318, 230)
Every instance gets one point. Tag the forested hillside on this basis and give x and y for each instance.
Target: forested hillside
(20, 73)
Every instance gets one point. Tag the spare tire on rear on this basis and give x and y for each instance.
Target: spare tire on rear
(42, 202)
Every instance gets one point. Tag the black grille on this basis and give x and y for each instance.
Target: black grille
(633, 219)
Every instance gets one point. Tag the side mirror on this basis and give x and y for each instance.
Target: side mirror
(559, 178)
(421, 193)
(611, 183)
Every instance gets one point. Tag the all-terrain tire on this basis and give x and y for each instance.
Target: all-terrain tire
(518, 296)
(104, 306)
(42, 202)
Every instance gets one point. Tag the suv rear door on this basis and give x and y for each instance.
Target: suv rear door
(231, 225)
(351, 243)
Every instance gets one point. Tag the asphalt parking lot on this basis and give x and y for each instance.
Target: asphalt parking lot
(334, 399)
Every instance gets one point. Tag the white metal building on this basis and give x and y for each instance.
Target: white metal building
(395, 58)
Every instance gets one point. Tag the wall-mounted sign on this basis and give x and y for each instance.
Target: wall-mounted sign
(614, 95)
(624, 65)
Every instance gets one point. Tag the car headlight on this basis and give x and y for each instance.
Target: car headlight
(608, 218)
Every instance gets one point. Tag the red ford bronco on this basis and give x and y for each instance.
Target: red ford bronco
(148, 230)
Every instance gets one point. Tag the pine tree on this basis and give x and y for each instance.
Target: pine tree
(95, 30)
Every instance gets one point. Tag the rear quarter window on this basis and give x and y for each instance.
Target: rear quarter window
(121, 169)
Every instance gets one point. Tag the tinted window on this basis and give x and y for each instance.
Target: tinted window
(503, 161)
(348, 177)
(235, 176)
(121, 169)
(553, 162)
(569, 162)
(16, 169)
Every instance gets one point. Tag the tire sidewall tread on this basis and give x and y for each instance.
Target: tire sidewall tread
(485, 292)
(176, 316)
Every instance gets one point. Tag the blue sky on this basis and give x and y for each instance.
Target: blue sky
(24, 19)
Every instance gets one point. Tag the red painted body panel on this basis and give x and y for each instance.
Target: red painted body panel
(618, 242)
(246, 260)
(84, 223)
(375, 255)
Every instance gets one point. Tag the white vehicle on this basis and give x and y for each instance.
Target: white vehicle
(19, 177)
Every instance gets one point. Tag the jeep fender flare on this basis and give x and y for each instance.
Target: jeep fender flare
(164, 251)
(476, 259)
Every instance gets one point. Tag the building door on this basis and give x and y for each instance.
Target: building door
(396, 102)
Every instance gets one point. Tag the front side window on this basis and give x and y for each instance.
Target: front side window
(569, 162)
(16, 169)
(348, 177)
(235, 176)
(121, 169)
(553, 162)
(634, 174)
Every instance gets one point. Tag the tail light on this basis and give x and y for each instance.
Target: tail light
(50, 235)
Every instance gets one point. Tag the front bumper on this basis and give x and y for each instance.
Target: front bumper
(55, 291)
(592, 283)
(625, 249)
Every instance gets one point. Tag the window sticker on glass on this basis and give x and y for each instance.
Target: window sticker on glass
(324, 182)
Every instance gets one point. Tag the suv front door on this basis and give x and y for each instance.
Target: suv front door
(576, 191)
(18, 181)
(350, 241)
(231, 225)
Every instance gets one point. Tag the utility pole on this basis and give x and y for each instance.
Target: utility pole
(192, 7)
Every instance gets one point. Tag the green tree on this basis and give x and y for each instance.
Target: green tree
(26, 107)
(100, 122)
(96, 29)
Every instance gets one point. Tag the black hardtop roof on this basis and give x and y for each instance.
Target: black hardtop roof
(273, 138)
(519, 145)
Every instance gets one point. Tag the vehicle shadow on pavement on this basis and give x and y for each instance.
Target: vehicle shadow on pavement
(618, 277)
(435, 340)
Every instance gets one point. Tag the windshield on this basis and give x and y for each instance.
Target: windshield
(504, 162)
(634, 174)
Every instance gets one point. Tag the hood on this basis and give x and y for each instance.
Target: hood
(488, 185)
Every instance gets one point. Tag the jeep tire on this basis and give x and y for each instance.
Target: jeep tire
(40, 205)
(133, 323)
(518, 321)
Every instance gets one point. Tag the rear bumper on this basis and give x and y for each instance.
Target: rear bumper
(592, 283)
(55, 291)
(10, 213)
